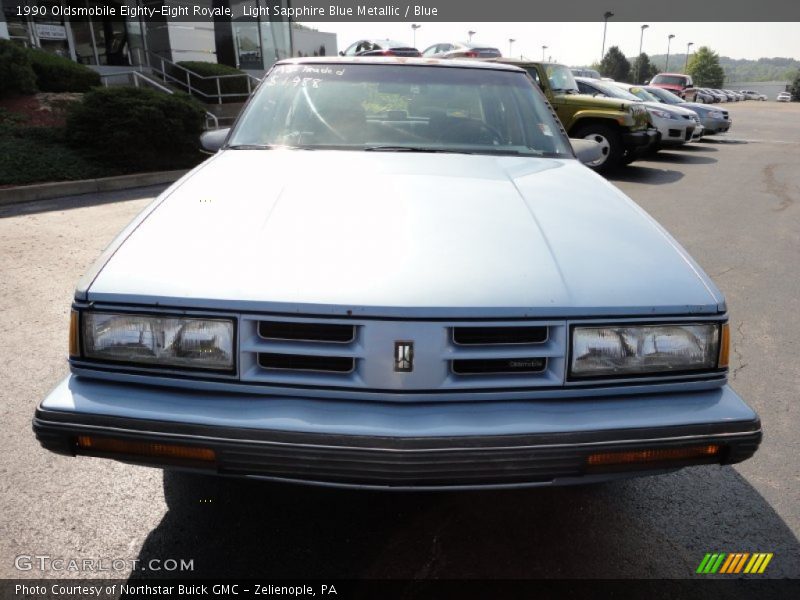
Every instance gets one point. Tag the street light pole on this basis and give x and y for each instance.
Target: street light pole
(510, 44)
(414, 28)
(639, 57)
(669, 39)
(470, 34)
(686, 66)
(608, 14)
(543, 49)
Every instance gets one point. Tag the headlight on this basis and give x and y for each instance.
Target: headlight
(187, 342)
(622, 350)
(661, 114)
(714, 114)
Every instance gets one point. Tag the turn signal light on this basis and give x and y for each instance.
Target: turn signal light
(724, 346)
(648, 456)
(74, 344)
(88, 442)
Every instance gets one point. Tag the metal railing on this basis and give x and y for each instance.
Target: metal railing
(138, 79)
(207, 87)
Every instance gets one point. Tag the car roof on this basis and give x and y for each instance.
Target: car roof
(400, 60)
(673, 74)
(520, 62)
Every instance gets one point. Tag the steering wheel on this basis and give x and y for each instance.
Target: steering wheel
(497, 137)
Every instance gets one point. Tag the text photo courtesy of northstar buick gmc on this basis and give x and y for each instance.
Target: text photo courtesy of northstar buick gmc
(398, 274)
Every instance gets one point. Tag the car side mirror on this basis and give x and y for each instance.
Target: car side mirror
(647, 82)
(211, 141)
(586, 151)
(341, 52)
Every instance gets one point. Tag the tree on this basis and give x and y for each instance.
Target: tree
(795, 89)
(644, 68)
(615, 65)
(705, 69)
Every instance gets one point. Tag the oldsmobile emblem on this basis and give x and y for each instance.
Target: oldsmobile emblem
(403, 357)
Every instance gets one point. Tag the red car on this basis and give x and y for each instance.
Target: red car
(677, 83)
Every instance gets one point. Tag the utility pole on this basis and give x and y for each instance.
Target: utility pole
(414, 28)
(470, 33)
(608, 14)
(639, 57)
(669, 39)
(686, 66)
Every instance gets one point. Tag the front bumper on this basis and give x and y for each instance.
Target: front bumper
(674, 132)
(448, 445)
(639, 141)
(713, 126)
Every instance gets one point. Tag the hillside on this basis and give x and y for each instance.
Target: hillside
(763, 69)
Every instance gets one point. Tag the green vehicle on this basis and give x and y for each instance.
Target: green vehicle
(621, 127)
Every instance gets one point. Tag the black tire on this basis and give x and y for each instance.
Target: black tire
(609, 137)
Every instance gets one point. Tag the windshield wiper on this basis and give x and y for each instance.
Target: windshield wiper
(250, 147)
(410, 149)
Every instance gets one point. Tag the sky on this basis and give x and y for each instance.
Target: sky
(579, 44)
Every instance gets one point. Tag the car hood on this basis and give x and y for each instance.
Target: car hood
(596, 102)
(700, 109)
(669, 86)
(338, 232)
(671, 108)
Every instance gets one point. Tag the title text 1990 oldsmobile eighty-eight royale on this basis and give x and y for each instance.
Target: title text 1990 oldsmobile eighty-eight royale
(396, 273)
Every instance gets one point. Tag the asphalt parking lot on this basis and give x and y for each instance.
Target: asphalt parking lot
(733, 202)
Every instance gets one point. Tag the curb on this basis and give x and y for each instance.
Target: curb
(46, 191)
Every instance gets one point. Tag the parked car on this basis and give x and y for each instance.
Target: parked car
(701, 95)
(461, 50)
(677, 83)
(675, 126)
(753, 95)
(714, 119)
(379, 48)
(451, 301)
(731, 96)
(784, 97)
(719, 95)
(622, 129)
(590, 73)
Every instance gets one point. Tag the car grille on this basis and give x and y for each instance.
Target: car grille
(367, 354)
(409, 468)
(310, 332)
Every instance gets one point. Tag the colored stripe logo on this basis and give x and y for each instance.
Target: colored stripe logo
(733, 563)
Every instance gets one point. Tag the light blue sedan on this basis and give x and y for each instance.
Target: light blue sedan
(396, 274)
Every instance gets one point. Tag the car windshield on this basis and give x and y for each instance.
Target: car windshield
(642, 94)
(613, 91)
(561, 79)
(390, 44)
(382, 107)
(670, 80)
(665, 96)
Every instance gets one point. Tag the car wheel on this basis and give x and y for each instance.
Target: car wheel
(610, 145)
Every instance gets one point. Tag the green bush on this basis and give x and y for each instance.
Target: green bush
(57, 74)
(228, 85)
(795, 89)
(16, 73)
(34, 154)
(137, 129)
